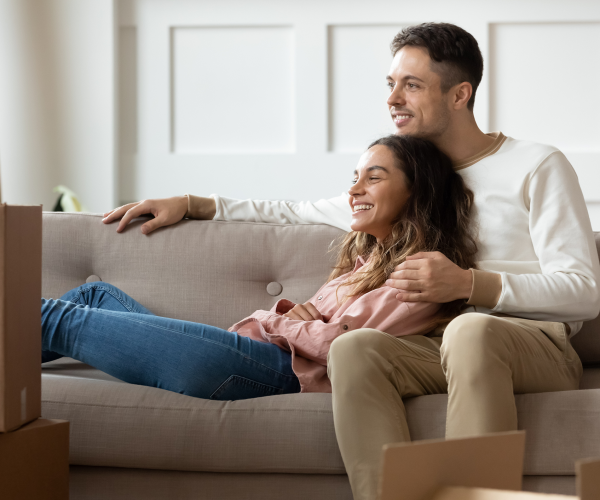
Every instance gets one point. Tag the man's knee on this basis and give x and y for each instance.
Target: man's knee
(352, 353)
(470, 341)
(355, 343)
(470, 331)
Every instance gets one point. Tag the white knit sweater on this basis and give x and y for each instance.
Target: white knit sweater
(532, 222)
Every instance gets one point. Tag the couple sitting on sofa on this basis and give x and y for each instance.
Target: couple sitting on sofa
(374, 333)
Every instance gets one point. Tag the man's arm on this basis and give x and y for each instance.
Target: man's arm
(166, 211)
(561, 232)
(432, 277)
(334, 211)
(567, 288)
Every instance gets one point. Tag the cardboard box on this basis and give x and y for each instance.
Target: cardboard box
(415, 471)
(588, 488)
(20, 316)
(455, 493)
(588, 479)
(480, 468)
(34, 461)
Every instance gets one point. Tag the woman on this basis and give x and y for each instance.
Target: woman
(406, 198)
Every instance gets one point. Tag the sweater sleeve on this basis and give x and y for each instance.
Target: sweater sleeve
(561, 232)
(334, 211)
(378, 309)
(486, 289)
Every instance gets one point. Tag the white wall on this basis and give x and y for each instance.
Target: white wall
(263, 98)
(276, 100)
(57, 117)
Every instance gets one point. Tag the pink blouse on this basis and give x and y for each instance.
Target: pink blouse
(309, 341)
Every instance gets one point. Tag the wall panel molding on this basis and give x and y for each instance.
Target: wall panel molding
(359, 59)
(232, 89)
(322, 96)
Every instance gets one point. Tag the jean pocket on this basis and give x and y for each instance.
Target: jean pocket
(236, 387)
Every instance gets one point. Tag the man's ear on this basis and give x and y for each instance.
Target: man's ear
(461, 94)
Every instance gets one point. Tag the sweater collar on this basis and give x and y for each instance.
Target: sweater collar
(499, 139)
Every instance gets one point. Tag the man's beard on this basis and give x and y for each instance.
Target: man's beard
(435, 130)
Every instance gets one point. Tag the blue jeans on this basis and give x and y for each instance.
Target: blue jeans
(100, 325)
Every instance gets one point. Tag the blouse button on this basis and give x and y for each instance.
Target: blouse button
(320, 297)
(345, 327)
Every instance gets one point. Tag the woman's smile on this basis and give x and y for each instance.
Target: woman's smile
(361, 208)
(379, 192)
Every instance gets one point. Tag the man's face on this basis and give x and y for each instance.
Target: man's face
(416, 103)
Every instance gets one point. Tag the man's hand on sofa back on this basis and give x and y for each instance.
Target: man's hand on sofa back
(166, 211)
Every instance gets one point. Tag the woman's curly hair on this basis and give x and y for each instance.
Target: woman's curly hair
(435, 218)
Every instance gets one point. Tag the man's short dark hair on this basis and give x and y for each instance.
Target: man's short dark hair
(455, 53)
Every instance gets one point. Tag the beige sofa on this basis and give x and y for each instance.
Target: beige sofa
(133, 442)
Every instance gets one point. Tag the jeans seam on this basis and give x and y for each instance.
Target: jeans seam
(200, 338)
(291, 376)
(105, 289)
(246, 382)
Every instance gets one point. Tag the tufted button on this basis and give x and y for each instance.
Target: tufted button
(92, 278)
(345, 327)
(274, 288)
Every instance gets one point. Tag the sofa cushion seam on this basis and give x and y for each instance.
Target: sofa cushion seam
(184, 409)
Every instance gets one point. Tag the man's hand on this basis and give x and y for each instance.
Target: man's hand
(304, 312)
(166, 211)
(430, 277)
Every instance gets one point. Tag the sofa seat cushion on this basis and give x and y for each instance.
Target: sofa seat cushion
(115, 424)
(125, 425)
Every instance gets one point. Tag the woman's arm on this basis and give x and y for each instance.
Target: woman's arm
(378, 309)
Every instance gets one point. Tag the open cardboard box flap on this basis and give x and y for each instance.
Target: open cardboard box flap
(461, 493)
(415, 471)
(480, 468)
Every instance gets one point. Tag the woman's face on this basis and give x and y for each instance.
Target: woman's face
(378, 194)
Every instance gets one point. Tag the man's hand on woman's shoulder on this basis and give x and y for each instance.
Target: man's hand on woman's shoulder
(166, 211)
(430, 277)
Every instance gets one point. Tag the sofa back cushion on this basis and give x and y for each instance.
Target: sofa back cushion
(205, 271)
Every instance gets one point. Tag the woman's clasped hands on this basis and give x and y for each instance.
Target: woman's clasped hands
(304, 312)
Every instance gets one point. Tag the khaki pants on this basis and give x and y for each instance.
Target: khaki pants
(481, 362)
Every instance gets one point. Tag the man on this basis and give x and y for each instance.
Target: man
(537, 276)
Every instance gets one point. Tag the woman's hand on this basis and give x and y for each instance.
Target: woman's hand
(166, 211)
(304, 312)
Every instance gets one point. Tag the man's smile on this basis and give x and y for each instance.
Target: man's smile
(401, 118)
